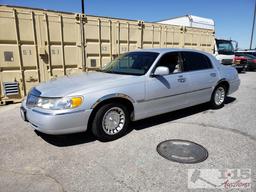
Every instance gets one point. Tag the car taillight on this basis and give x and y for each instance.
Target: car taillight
(254, 60)
(240, 57)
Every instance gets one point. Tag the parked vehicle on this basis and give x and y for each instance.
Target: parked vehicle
(134, 86)
(240, 58)
(251, 62)
(247, 59)
(248, 51)
(240, 61)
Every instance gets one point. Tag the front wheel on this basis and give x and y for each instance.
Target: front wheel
(218, 97)
(110, 122)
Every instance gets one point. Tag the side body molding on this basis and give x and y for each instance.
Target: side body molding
(110, 96)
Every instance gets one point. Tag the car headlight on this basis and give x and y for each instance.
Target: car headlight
(60, 103)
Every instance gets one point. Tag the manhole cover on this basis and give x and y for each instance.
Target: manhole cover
(182, 151)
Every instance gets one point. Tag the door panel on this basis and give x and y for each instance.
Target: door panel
(166, 93)
(202, 76)
(201, 85)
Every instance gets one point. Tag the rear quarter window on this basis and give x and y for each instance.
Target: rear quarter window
(193, 61)
(248, 52)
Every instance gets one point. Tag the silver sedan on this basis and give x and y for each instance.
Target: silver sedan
(134, 86)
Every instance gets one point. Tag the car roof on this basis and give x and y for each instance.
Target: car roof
(166, 50)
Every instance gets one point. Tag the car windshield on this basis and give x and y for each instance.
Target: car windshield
(132, 63)
(225, 47)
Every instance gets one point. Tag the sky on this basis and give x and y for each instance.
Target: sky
(233, 18)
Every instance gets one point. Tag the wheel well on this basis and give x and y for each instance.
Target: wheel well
(225, 83)
(123, 101)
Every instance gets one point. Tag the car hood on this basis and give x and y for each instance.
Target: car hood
(85, 82)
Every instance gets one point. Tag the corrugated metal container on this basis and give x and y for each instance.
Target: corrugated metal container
(38, 45)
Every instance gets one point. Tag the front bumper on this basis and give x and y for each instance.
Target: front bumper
(56, 123)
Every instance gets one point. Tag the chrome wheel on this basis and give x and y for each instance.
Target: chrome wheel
(113, 121)
(219, 96)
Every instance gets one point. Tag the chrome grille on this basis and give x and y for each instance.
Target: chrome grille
(11, 88)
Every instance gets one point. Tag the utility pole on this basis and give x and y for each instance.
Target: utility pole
(82, 17)
(82, 1)
(253, 25)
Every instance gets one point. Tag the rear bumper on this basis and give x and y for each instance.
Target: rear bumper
(56, 124)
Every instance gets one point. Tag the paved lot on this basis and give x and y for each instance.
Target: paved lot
(36, 162)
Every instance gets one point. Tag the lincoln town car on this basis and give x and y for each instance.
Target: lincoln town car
(136, 85)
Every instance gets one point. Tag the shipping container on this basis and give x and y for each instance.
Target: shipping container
(37, 45)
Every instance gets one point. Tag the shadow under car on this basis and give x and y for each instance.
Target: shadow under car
(86, 137)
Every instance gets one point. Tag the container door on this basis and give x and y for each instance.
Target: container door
(19, 48)
(60, 45)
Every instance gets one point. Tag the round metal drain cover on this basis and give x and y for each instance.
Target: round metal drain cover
(182, 151)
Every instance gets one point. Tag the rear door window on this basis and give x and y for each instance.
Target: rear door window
(193, 61)
(172, 61)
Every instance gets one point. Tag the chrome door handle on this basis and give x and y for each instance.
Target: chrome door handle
(213, 74)
(182, 80)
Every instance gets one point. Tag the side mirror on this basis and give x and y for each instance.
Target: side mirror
(161, 71)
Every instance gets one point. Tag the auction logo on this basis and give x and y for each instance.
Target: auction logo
(219, 178)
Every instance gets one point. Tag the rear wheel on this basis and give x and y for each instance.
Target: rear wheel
(110, 122)
(218, 97)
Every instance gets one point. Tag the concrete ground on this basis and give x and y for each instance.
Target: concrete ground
(35, 162)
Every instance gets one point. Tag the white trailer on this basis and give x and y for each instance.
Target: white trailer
(223, 49)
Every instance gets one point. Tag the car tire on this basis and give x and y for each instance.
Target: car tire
(218, 97)
(110, 122)
(239, 70)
